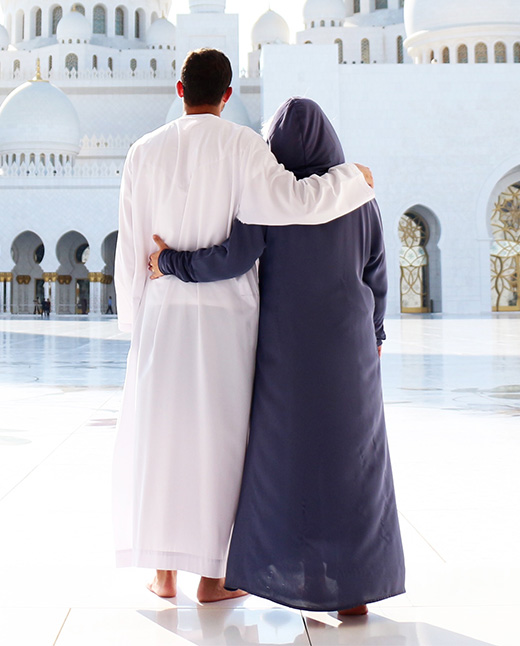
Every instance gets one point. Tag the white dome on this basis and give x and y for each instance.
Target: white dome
(161, 33)
(4, 38)
(73, 26)
(207, 6)
(431, 15)
(270, 28)
(37, 116)
(324, 10)
(234, 111)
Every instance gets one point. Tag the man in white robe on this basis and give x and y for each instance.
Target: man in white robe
(183, 426)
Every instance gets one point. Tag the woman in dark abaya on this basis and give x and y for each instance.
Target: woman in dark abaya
(316, 526)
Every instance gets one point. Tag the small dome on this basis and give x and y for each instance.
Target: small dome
(4, 37)
(324, 10)
(161, 33)
(234, 111)
(207, 6)
(73, 26)
(432, 15)
(38, 116)
(270, 28)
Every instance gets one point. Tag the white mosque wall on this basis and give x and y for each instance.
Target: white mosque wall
(358, 45)
(125, 112)
(301, 70)
(433, 136)
(218, 30)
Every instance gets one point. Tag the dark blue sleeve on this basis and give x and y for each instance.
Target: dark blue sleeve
(234, 257)
(374, 274)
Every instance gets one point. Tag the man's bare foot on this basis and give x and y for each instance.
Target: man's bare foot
(354, 612)
(164, 584)
(211, 590)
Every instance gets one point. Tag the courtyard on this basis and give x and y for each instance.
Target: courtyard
(452, 394)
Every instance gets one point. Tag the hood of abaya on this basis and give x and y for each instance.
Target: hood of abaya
(303, 139)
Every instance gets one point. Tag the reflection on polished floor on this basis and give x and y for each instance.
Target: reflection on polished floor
(452, 391)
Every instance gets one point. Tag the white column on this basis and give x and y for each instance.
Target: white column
(95, 294)
(8, 291)
(367, 6)
(2, 297)
(53, 291)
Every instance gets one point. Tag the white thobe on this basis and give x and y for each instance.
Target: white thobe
(183, 426)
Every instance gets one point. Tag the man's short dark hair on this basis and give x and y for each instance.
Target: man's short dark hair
(206, 75)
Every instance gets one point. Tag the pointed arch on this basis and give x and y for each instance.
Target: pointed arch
(56, 16)
(120, 21)
(99, 19)
(37, 22)
(500, 53)
(71, 62)
(462, 54)
(481, 53)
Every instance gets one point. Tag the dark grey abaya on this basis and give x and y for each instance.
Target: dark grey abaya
(316, 526)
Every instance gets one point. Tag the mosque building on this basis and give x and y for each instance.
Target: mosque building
(425, 92)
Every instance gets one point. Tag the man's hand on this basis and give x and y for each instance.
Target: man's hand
(380, 350)
(153, 260)
(367, 174)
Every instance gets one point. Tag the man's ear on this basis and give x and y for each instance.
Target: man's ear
(227, 94)
(180, 89)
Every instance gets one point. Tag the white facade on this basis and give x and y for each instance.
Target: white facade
(442, 139)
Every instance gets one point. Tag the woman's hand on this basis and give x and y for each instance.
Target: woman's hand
(153, 260)
(367, 174)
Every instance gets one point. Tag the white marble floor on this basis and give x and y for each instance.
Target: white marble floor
(452, 388)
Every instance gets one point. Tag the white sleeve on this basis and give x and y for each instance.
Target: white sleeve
(125, 253)
(273, 196)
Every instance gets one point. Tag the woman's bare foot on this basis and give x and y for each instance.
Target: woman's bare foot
(164, 584)
(211, 590)
(354, 612)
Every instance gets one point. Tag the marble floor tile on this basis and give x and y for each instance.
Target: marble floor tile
(382, 631)
(452, 406)
(183, 627)
(31, 626)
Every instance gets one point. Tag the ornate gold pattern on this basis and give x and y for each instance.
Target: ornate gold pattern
(100, 277)
(505, 253)
(6, 277)
(23, 280)
(50, 277)
(64, 279)
(413, 233)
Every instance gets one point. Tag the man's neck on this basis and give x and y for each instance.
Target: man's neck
(203, 109)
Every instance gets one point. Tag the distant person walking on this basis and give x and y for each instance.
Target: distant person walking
(109, 308)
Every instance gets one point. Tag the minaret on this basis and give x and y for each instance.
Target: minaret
(208, 25)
